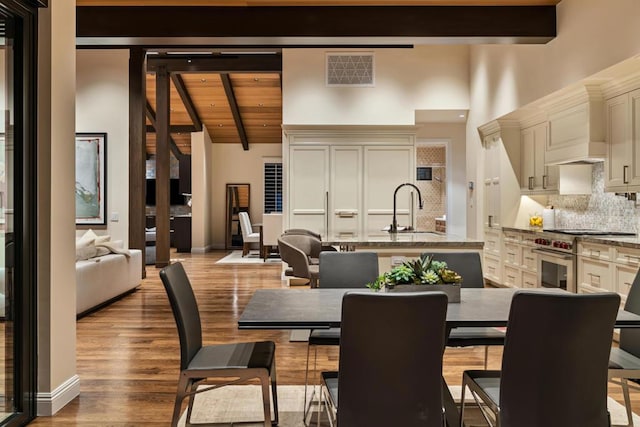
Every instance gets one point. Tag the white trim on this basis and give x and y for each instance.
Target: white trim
(201, 250)
(48, 403)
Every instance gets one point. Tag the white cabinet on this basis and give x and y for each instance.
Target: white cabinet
(520, 264)
(535, 176)
(309, 191)
(380, 182)
(501, 187)
(622, 165)
(341, 181)
(345, 190)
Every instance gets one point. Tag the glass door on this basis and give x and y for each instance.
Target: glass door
(17, 211)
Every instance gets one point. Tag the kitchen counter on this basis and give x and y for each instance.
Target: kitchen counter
(406, 239)
(394, 248)
(632, 242)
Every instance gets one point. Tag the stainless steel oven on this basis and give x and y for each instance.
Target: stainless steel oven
(556, 261)
(556, 269)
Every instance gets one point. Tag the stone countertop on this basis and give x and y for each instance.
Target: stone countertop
(632, 242)
(405, 240)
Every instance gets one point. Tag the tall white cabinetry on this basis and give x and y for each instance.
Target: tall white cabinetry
(536, 177)
(501, 188)
(340, 182)
(622, 165)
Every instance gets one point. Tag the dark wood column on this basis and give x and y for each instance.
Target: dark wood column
(163, 149)
(137, 150)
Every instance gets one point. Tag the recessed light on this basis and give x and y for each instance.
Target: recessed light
(219, 125)
(461, 116)
(213, 105)
(264, 125)
(255, 79)
(203, 80)
(260, 105)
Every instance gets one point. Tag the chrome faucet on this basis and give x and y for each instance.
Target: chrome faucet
(394, 224)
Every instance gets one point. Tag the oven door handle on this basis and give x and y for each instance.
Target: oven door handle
(552, 254)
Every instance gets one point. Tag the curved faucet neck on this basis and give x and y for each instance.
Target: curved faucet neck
(394, 224)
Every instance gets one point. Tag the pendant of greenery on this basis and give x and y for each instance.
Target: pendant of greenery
(423, 271)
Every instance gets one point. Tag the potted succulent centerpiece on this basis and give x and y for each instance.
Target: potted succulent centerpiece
(423, 274)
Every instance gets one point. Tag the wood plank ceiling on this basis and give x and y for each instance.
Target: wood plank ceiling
(258, 98)
(255, 97)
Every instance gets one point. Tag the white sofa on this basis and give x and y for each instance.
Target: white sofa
(102, 279)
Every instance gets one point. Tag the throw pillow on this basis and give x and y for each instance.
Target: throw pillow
(102, 251)
(85, 249)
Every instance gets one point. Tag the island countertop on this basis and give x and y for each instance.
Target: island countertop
(405, 240)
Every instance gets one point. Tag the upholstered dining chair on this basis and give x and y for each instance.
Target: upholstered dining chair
(311, 244)
(248, 235)
(469, 266)
(232, 362)
(298, 261)
(337, 270)
(554, 364)
(390, 367)
(624, 361)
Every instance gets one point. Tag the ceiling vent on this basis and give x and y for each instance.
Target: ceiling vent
(350, 69)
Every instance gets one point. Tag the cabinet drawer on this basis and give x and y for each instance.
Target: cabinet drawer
(623, 277)
(510, 236)
(511, 276)
(492, 270)
(529, 280)
(511, 254)
(595, 251)
(492, 242)
(627, 256)
(529, 260)
(595, 274)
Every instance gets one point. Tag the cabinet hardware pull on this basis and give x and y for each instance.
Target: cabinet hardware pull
(326, 213)
(632, 258)
(531, 182)
(490, 221)
(595, 253)
(545, 180)
(625, 171)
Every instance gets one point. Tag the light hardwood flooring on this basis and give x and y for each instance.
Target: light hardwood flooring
(128, 352)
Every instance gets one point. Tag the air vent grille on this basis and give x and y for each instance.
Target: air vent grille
(350, 69)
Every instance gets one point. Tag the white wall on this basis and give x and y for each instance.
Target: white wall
(102, 105)
(201, 189)
(592, 35)
(422, 78)
(232, 165)
(58, 382)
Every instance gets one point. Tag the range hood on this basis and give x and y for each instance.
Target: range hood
(575, 178)
(576, 128)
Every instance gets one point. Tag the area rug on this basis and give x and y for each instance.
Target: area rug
(236, 257)
(242, 404)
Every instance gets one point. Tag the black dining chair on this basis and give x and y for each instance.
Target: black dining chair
(233, 362)
(624, 361)
(390, 367)
(338, 270)
(469, 266)
(554, 364)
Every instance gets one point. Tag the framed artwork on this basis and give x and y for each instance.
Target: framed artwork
(91, 179)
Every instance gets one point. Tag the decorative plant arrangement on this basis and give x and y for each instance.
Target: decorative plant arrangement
(423, 271)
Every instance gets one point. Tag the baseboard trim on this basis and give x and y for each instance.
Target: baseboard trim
(47, 404)
(201, 250)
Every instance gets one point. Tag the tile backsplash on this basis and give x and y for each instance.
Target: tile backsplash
(598, 210)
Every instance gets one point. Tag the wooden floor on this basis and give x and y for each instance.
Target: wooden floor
(128, 353)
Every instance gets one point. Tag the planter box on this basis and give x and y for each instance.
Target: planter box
(452, 290)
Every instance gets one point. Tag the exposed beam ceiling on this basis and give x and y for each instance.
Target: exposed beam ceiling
(316, 2)
(235, 110)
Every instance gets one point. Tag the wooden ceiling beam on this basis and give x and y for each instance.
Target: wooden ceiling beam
(235, 110)
(486, 24)
(175, 129)
(151, 115)
(187, 101)
(218, 63)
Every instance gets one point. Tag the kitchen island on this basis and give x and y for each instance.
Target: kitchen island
(393, 248)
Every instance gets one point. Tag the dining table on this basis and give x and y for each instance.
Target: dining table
(291, 309)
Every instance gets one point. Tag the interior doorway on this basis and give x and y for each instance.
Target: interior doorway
(432, 180)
